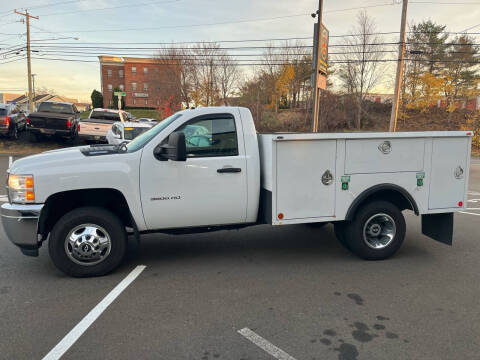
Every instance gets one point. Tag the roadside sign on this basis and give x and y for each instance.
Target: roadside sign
(119, 93)
(322, 47)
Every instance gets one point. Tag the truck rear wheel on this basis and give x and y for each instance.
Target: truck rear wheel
(33, 137)
(14, 133)
(376, 232)
(88, 241)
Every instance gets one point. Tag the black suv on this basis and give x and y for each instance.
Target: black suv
(12, 120)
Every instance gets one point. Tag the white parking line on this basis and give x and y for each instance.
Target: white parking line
(3, 198)
(10, 161)
(265, 345)
(469, 213)
(74, 334)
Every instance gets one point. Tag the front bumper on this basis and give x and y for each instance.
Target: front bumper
(20, 223)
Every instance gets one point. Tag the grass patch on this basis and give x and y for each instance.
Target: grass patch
(139, 113)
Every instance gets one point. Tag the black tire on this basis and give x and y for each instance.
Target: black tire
(14, 133)
(88, 215)
(33, 137)
(339, 229)
(354, 231)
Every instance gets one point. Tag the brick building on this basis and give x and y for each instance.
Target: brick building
(140, 78)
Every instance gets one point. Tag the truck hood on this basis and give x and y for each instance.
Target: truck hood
(54, 158)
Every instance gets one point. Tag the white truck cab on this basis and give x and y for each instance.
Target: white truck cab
(207, 169)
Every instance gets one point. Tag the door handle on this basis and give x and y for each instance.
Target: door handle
(229, 170)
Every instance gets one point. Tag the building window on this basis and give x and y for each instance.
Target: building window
(109, 73)
(134, 101)
(122, 87)
(110, 102)
(158, 102)
(120, 73)
(109, 86)
(145, 87)
(134, 69)
(146, 101)
(145, 70)
(134, 86)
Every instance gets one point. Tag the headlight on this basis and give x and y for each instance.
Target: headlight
(21, 188)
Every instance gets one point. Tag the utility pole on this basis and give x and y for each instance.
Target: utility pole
(316, 89)
(29, 64)
(33, 89)
(401, 61)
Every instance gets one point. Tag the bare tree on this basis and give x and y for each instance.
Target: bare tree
(360, 69)
(179, 73)
(228, 76)
(206, 91)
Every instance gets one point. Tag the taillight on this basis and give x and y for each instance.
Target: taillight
(7, 121)
(28, 120)
(69, 123)
(78, 127)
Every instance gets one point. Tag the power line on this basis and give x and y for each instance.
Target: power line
(189, 25)
(176, 48)
(137, 4)
(360, 7)
(10, 61)
(187, 42)
(200, 64)
(45, 5)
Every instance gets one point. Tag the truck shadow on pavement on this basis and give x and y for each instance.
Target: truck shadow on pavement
(294, 243)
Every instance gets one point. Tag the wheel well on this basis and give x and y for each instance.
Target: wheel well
(388, 192)
(61, 203)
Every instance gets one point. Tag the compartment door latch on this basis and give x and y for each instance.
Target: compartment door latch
(327, 178)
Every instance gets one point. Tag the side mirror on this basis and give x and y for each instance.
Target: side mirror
(175, 150)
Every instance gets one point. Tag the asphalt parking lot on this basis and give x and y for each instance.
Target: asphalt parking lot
(292, 291)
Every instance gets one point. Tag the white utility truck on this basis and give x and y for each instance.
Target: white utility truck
(207, 169)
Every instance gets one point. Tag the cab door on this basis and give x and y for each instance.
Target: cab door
(209, 188)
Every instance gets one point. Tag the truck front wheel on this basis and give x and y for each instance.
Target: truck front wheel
(376, 232)
(88, 241)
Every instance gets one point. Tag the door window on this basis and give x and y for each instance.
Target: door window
(209, 136)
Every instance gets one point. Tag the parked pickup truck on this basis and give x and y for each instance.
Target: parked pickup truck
(53, 118)
(99, 122)
(12, 120)
(207, 169)
(124, 132)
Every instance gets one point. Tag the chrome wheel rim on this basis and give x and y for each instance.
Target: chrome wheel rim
(379, 231)
(88, 244)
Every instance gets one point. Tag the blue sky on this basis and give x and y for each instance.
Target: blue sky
(174, 20)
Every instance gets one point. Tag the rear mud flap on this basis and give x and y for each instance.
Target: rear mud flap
(439, 227)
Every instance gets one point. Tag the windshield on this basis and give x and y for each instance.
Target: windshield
(105, 115)
(55, 108)
(3, 111)
(143, 139)
(131, 133)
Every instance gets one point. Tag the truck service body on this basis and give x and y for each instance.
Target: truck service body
(207, 169)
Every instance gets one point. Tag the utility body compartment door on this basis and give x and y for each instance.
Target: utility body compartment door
(449, 172)
(299, 190)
